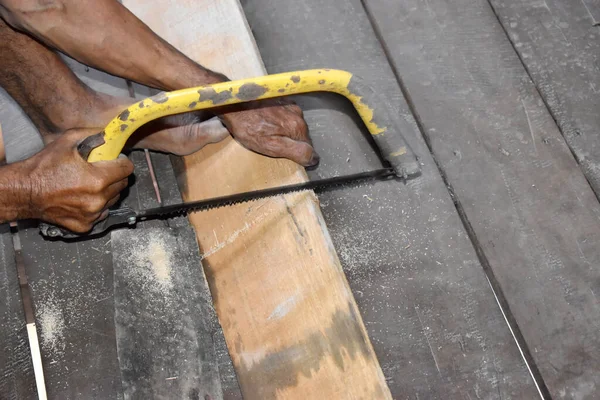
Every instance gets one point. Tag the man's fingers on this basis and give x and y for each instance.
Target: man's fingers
(106, 210)
(112, 201)
(74, 225)
(213, 130)
(297, 151)
(116, 188)
(115, 170)
(102, 216)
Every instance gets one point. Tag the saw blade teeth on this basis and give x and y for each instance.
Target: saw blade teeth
(329, 183)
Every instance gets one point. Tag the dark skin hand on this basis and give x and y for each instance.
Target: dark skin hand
(104, 34)
(58, 186)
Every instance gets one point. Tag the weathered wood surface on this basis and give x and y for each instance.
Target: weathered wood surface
(163, 322)
(427, 305)
(528, 203)
(17, 381)
(559, 44)
(72, 292)
(76, 303)
(289, 318)
(71, 300)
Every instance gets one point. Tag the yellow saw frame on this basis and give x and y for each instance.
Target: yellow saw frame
(367, 103)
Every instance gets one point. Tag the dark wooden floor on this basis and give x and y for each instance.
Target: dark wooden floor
(505, 96)
(477, 280)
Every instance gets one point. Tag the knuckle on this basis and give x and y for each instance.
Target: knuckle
(94, 205)
(298, 126)
(295, 109)
(97, 185)
(129, 167)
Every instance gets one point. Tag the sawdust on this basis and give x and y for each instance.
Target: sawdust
(232, 238)
(160, 261)
(150, 264)
(52, 325)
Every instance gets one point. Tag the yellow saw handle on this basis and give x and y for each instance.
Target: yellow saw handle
(367, 103)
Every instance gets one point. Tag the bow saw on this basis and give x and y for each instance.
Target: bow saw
(370, 106)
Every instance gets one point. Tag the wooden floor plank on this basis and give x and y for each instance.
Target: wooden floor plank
(75, 304)
(289, 318)
(17, 380)
(163, 322)
(428, 308)
(558, 42)
(72, 288)
(592, 8)
(533, 213)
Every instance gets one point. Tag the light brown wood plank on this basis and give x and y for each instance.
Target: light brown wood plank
(289, 317)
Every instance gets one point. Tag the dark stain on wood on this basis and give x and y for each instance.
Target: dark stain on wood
(282, 368)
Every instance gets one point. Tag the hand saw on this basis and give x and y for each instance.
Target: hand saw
(108, 144)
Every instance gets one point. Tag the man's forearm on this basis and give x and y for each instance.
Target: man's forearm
(37, 78)
(14, 192)
(105, 35)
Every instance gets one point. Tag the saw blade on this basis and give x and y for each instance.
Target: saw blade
(317, 185)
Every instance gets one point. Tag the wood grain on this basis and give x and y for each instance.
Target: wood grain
(76, 305)
(418, 283)
(558, 42)
(17, 381)
(289, 318)
(530, 208)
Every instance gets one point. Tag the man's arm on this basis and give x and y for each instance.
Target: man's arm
(57, 101)
(105, 35)
(58, 186)
(14, 193)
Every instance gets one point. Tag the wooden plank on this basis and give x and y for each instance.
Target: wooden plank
(558, 42)
(74, 307)
(289, 318)
(72, 287)
(16, 369)
(530, 208)
(75, 304)
(592, 7)
(427, 305)
(216, 363)
(163, 322)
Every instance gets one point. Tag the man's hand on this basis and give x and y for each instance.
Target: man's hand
(104, 34)
(67, 190)
(275, 128)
